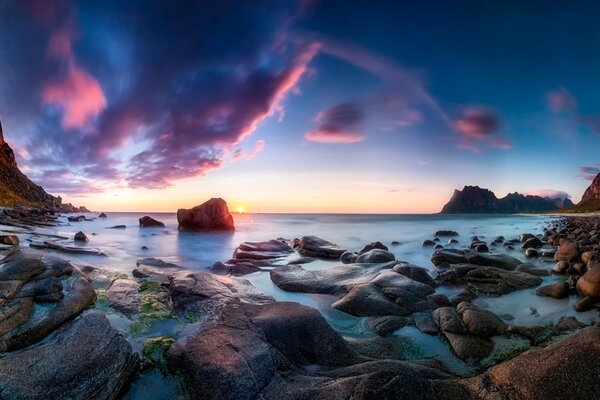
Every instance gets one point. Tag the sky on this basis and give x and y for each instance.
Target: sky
(300, 106)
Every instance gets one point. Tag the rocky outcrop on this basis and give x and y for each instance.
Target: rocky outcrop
(475, 200)
(590, 201)
(212, 215)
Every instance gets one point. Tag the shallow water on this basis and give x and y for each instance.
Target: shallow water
(197, 251)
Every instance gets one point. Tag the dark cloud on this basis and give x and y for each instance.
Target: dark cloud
(183, 84)
(478, 125)
(339, 124)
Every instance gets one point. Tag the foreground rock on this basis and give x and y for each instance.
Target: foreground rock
(212, 215)
(589, 284)
(123, 295)
(447, 257)
(486, 279)
(84, 359)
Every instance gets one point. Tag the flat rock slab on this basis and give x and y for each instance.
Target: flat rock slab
(313, 246)
(123, 295)
(447, 257)
(84, 359)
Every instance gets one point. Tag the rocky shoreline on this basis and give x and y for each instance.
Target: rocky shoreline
(57, 339)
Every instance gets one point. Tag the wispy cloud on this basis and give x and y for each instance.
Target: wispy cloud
(480, 125)
(338, 124)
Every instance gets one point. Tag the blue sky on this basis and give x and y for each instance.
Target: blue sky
(300, 106)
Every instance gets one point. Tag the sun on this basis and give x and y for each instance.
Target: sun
(240, 210)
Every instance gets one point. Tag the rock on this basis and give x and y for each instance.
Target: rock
(533, 270)
(481, 248)
(11, 240)
(556, 291)
(395, 243)
(79, 218)
(448, 320)
(453, 256)
(469, 347)
(481, 322)
(212, 215)
(438, 300)
(372, 246)
(375, 256)
(463, 294)
(428, 243)
(385, 326)
(533, 242)
(81, 237)
(561, 267)
(452, 241)
(368, 300)
(567, 369)
(589, 283)
(425, 324)
(445, 233)
(118, 227)
(156, 270)
(84, 359)
(568, 250)
(149, 222)
(415, 272)
(585, 304)
(312, 246)
(498, 281)
(123, 295)
(531, 253)
(102, 215)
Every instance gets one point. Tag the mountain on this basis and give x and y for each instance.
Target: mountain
(591, 197)
(16, 189)
(475, 200)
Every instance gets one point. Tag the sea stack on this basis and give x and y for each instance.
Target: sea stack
(210, 216)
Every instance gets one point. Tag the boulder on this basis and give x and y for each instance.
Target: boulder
(312, 246)
(533, 270)
(84, 359)
(561, 267)
(123, 295)
(481, 322)
(469, 347)
(448, 320)
(149, 222)
(498, 281)
(81, 237)
(426, 324)
(368, 300)
(212, 215)
(589, 283)
(447, 257)
(375, 256)
(374, 245)
(415, 272)
(102, 215)
(445, 233)
(385, 326)
(568, 250)
(11, 240)
(556, 290)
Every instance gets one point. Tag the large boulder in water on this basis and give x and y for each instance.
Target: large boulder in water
(149, 222)
(589, 284)
(210, 216)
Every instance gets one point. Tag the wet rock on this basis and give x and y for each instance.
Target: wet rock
(531, 253)
(395, 243)
(533, 270)
(123, 295)
(568, 324)
(149, 222)
(448, 320)
(498, 281)
(428, 243)
(438, 247)
(445, 233)
(589, 283)
(385, 326)
(212, 215)
(469, 347)
(585, 304)
(85, 358)
(81, 237)
(375, 256)
(312, 246)
(102, 215)
(11, 240)
(415, 272)
(568, 250)
(437, 300)
(452, 241)
(155, 269)
(481, 248)
(463, 294)
(79, 218)
(556, 291)
(368, 300)
(454, 256)
(525, 237)
(480, 322)
(372, 246)
(118, 227)
(425, 324)
(533, 243)
(561, 267)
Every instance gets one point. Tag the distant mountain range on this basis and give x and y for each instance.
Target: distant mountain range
(475, 200)
(16, 189)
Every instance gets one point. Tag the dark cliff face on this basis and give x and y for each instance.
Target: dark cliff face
(591, 197)
(15, 188)
(475, 200)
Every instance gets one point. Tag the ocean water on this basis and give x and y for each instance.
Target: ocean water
(197, 251)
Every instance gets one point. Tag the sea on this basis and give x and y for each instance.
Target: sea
(199, 250)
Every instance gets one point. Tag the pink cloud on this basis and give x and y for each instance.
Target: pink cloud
(561, 100)
(480, 125)
(550, 193)
(260, 145)
(333, 136)
(79, 95)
